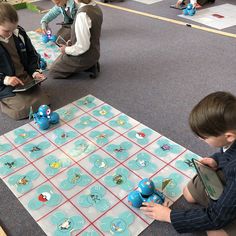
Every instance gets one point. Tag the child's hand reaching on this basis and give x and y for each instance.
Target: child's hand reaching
(156, 211)
(12, 81)
(209, 162)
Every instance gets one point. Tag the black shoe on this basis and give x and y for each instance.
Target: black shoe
(93, 71)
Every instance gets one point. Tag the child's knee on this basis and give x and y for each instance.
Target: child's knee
(219, 232)
(187, 195)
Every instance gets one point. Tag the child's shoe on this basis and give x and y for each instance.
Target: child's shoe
(93, 71)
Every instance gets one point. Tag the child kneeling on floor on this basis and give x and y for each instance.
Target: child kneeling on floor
(84, 51)
(19, 64)
(213, 119)
(181, 4)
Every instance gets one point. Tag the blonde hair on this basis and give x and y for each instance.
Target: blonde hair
(8, 13)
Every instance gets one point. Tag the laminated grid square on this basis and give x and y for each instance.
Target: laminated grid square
(75, 177)
(48, 51)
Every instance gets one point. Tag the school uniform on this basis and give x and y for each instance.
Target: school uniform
(85, 40)
(214, 215)
(20, 59)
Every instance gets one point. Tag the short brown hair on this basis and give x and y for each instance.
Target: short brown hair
(8, 13)
(214, 115)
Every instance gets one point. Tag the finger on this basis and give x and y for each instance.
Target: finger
(18, 81)
(147, 209)
(39, 76)
(147, 203)
(149, 214)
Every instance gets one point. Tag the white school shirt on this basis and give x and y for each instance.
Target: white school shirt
(82, 25)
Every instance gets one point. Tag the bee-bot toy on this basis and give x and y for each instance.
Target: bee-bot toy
(146, 193)
(44, 117)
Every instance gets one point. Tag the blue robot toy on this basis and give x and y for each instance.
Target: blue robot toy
(189, 10)
(43, 63)
(44, 117)
(146, 193)
(49, 37)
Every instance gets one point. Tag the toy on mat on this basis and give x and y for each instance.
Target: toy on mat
(146, 193)
(44, 117)
(43, 63)
(190, 10)
(48, 37)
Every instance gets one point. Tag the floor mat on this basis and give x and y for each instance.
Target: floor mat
(75, 176)
(219, 17)
(49, 51)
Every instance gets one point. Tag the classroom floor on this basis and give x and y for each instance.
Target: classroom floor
(152, 69)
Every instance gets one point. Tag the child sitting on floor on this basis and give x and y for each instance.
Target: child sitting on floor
(213, 119)
(19, 64)
(84, 51)
(182, 4)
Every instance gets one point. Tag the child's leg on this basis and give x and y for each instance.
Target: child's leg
(194, 192)
(188, 196)
(18, 106)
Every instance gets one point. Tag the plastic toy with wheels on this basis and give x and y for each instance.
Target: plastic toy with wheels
(146, 193)
(190, 10)
(48, 37)
(44, 117)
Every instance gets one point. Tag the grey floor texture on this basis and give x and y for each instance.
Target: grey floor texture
(153, 71)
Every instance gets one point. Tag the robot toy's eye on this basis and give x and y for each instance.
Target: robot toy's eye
(48, 111)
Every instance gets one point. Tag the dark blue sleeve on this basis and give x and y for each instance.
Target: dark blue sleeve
(33, 57)
(217, 215)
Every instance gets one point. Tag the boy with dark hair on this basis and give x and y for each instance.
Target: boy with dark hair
(19, 64)
(213, 119)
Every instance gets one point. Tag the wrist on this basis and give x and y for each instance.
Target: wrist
(44, 25)
(167, 215)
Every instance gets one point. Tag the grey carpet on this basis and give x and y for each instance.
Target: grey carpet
(151, 70)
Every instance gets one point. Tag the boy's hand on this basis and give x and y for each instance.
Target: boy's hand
(39, 76)
(209, 162)
(156, 211)
(62, 48)
(12, 81)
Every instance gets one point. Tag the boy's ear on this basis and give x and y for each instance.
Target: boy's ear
(230, 136)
